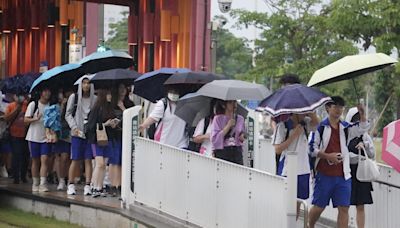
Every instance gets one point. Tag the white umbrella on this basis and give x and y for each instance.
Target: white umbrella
(234, 90)
(350, 67)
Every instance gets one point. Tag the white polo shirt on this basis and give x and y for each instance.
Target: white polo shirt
(36, 131)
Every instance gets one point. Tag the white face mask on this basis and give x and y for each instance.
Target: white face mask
(173, 96)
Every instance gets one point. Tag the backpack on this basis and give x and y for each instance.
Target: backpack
(151, 131)
(196, 146)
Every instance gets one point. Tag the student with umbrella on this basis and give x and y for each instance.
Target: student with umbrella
(329, 145)
(101, 116)
(78, 107)
(171, 130)
(119, 104)
(36, 137)
(359, 146)
(228, 132)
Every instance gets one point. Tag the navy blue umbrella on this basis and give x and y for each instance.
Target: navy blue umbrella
(151, 85)
(293, 99)
(115, 76)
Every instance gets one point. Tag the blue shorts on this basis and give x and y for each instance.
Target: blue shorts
(303, 186)
(61, 147)
(329, 188)
(116, 155)
(80, 149)
(39, 149)
(5, 147)
(103, 151)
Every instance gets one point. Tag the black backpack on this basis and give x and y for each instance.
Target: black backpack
(151, 131)
(196, 146)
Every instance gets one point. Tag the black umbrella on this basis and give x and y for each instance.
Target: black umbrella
(192, 78)
(115, 76)
(107, 60)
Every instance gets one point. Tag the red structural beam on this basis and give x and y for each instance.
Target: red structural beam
(113, 2)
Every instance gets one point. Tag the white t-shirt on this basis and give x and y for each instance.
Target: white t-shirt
(36, 131)
(206, 145)
(85, 107)
(172, 127)
(303, 162)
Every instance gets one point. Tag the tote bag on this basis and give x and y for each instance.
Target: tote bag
(101, 135)
(367, 170)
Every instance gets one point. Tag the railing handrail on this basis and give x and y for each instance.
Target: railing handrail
(305, 212)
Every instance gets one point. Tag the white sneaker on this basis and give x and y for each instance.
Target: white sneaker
(3, 171)
(35, 188)
(43, 188)
(87, 190)
(61, 186)
(71, 189)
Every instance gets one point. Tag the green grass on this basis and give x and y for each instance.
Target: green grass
(11, 217)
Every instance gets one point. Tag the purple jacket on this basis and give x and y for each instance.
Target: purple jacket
(218, 139)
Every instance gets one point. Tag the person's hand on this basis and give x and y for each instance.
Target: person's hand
(231, 123)
(37, 117)
(298, 131)
(335, 158)
(142, 128)
(75, 132)
(114, 123)
(108, 123)
(361, 109)
(360, 146)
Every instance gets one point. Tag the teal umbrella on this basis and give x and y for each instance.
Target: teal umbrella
(60, 76)
(105, 60)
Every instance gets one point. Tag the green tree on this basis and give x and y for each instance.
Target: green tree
(373, 24)
(119, 34)
(295, 38)
(234, 57)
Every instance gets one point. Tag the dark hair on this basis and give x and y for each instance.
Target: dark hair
(115, 94)
(220, 106)
(336, 100)
(289, 78)
(101, 105)
(355, 118)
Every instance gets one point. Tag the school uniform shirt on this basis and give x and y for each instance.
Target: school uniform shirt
(171, 129)
(319, 143)
(300, 146)
(36, 132)
(17, 128)
(206, 146)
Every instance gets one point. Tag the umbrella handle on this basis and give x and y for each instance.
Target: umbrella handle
(355, 89)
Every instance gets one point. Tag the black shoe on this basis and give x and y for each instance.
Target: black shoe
(16, 181)
(24, 180)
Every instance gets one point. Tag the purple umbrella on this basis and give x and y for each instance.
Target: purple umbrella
(293, 99)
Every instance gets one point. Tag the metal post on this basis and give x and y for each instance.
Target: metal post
(213, 50)
(292, 189)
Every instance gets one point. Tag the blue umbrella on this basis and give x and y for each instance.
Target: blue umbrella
(293, 99)
(69, 73)
(106, 60)
(151, 85)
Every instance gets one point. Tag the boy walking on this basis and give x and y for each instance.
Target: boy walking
(329, 145)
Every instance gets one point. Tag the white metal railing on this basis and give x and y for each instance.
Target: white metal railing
(205, 191)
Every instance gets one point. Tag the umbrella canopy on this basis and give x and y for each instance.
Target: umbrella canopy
(151, 85)
(234, 90)
(107, 60)
(193, 107)
(68, 72)
(193, 77)
(391, 144)
(18, 84)
(295, 99)
(115, 76)
(350, 67)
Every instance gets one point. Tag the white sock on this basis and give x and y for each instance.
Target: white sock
(61, 180)
(43, 180)
(35, 181)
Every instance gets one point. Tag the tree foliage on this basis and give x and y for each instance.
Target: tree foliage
(119, 34)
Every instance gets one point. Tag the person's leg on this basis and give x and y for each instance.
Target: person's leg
(16, 159)
(44, 159)
(34, 149)
(343, 217)
(98, 173)
(25, 158)
(315, 213)
(360, 216)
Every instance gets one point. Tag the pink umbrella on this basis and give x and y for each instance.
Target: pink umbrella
(391, 145)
